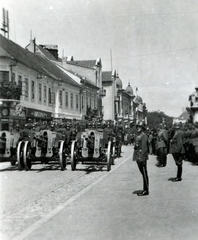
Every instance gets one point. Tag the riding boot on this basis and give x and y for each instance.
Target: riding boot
(179, 171)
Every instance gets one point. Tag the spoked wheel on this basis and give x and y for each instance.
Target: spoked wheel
(73, 156)
(109, 156)
(26, 156)
(113, 154)
(20, 161)
(62, 156)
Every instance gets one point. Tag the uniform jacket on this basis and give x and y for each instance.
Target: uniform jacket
(194, 137)
(162, 139)
(176, 143)
(141, 148)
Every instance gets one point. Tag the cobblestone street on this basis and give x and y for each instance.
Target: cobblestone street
(18, 216)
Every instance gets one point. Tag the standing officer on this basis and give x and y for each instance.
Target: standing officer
(161, 146)
(140, 155)
(177, 150)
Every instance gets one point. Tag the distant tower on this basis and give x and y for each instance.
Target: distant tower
(5, 24)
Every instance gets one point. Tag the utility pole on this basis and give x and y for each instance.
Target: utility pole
(111, 61)
(5, 24)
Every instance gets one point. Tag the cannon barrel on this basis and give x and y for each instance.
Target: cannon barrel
(41, 139)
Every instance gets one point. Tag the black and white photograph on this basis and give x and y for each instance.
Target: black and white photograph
(98, 119)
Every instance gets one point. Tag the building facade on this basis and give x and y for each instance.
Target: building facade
(193, 110)
(34, 87)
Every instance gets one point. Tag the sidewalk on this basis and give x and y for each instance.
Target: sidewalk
(109, 209)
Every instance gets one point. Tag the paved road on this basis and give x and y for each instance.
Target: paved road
(101, 205)
(27, 196)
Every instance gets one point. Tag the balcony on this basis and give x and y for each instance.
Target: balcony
(10, 90)
(102, 92)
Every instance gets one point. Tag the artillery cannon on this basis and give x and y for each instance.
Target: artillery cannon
(45, 146)
(8, 147)
(90, 147)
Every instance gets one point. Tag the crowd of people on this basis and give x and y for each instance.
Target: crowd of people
(161, 138)
(180, 140)
(71, 130)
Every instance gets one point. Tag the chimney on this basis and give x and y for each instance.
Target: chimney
(53, 49)
(32, 46)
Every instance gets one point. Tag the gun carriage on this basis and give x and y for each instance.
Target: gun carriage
(91, 146)
(8, 147)
(44, 146)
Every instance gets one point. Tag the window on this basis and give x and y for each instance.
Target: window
(13, 77)
(52, 98)
(32, 87)
(26, 87)
(45, 94)
(82, 104)
(40, 92)
(20, 81)
(49, 96)
(72, 98)
(4, 76)
(66, 99)
(76, 101)
(60, 98)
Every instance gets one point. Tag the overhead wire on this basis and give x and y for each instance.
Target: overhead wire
(154, 53)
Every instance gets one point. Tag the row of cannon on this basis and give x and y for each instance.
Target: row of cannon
(28, 147)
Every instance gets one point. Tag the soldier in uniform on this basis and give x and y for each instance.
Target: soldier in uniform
(117, 136)
(99, 126)
(3, 143)
(43, 126)
(16, 133)
(140, 155)
(108, 133)
(150, 140)
(30, 125)
(161, 146)
(68, 134)
(177, 151)
(90, 142)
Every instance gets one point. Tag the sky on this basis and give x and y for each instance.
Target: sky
(152, 44)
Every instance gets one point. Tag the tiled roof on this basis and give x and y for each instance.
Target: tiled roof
(79, 77)
(184, 116)
(107, 76)
(83, 63)
(3, 52)
(33, 61)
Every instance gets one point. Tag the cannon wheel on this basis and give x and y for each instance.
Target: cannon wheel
(113, 153)
(73, 156)
(62, 157)
(109, 156)
(20, 161)
(26, 156)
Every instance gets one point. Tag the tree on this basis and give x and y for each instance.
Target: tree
(157, 117)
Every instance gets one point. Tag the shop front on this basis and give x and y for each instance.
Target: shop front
(38, 115)
(11, 113)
